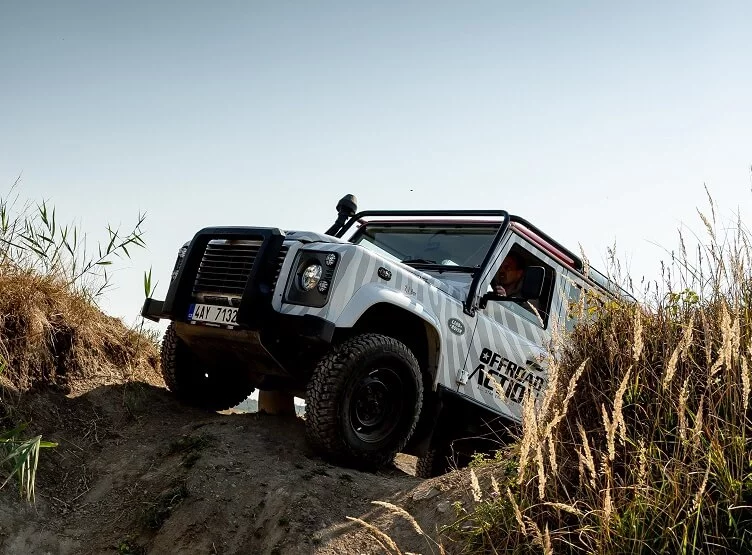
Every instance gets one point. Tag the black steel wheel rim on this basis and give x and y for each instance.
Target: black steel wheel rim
(377, 404)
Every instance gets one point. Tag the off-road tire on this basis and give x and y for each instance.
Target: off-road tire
(424, 465)
(341, 391)
(186, 376)
(434, 463)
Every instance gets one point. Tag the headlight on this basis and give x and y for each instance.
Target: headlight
(310, 277)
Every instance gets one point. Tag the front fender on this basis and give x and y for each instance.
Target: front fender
(375, 293)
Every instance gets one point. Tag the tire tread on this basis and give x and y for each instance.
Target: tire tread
(171, 353)
(322, 426)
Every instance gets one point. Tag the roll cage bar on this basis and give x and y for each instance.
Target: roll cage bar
(544, 241)
(503, 214)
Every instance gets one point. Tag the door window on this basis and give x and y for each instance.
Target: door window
(575, 306)
(508, 278)
(582, 304)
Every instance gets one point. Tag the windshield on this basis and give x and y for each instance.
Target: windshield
(462, 245)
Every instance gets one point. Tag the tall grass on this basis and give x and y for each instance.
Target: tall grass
(642, 443)
(37, 249)
(33, 237)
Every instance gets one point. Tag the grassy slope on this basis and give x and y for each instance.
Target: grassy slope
(51, 335)
(643, 443)
(640, 447)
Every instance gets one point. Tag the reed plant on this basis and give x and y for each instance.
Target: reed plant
(32, 237)
(642, 443)
(51, 330)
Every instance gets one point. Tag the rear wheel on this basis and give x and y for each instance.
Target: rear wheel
(197, 383)
(434, 463)
(363, 401)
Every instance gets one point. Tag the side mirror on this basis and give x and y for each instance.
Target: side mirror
(532, 282)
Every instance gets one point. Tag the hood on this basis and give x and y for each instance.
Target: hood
(312, 237)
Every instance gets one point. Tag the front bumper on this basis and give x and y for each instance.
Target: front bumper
(255, 312)
(153, 310)
(306, 326)
(251, 271)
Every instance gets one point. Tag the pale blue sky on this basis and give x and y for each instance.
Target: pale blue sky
(598, 121)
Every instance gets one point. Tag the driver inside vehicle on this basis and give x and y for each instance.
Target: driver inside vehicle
(508, 280)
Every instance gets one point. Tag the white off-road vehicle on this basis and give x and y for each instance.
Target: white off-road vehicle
(387, 325)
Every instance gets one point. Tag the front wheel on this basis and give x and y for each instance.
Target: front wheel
(363, 401)
(197, 383)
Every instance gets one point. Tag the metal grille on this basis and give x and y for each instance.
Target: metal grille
(278, 265)
(226, 266)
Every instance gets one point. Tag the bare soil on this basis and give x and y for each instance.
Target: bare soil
(136, 472)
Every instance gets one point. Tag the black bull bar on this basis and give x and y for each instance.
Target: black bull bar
(256, 298)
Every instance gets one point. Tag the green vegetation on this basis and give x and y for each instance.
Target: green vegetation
(50, 281)
(128, 546)
(642, 444)
(19, 457)
(33, 238)
(190, 448)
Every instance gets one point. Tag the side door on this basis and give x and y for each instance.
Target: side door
(510, 341)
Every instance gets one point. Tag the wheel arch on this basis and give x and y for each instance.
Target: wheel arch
(421, 336)
(415, 329)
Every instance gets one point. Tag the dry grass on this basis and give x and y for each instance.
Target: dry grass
(52, 335)
(51, 331)
(649, 445)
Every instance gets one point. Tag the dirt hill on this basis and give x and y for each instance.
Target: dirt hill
(136, 472)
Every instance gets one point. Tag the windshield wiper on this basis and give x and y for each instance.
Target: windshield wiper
(433, 266)
(419, 261)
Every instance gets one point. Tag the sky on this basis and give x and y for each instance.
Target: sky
(601, 122)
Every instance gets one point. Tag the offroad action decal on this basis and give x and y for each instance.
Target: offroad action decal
(512, 379)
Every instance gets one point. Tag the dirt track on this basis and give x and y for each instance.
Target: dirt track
(136, 472)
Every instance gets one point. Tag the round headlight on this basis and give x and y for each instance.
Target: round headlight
(310, 277)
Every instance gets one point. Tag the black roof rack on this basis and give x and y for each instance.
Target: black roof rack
(418, 213)
(597, 278)
(464, 213)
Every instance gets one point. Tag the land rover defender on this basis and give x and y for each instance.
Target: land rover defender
(387, 324)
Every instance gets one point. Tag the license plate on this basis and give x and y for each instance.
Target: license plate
(213, 314)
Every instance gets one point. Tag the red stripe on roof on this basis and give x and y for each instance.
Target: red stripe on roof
(433, 221)
(543, 244)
